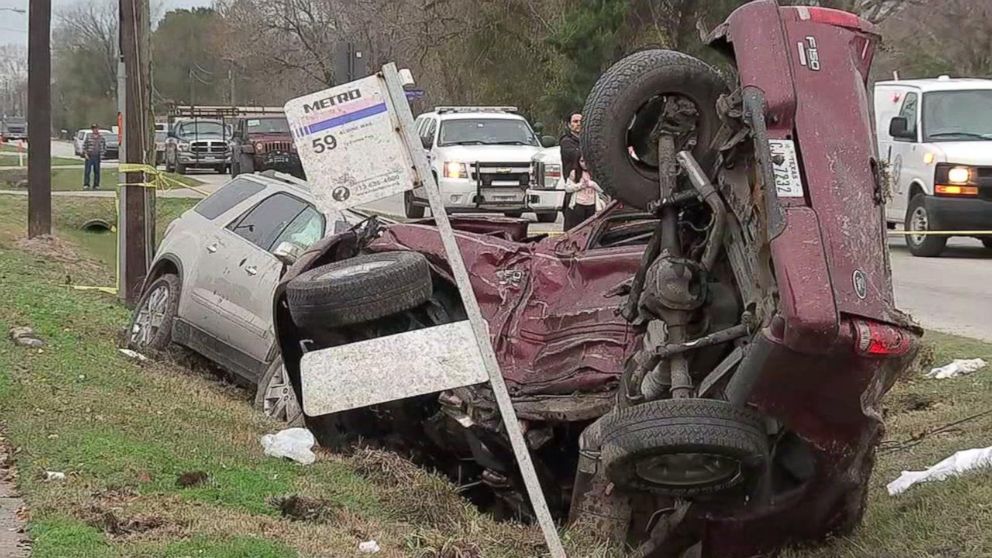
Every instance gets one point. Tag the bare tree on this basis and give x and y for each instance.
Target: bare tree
(91, 26)
(13, 79)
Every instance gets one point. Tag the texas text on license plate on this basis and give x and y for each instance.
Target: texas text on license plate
(785, 166)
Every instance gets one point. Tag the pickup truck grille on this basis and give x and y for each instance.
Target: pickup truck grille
(508, 175)
(208, 146)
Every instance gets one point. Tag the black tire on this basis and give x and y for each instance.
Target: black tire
(987, 242)
(411, 210)
(683, 426)
(636, 87)
(221, 169)
(281, 406)
(160, 334)
(360, 289)
(514, 214)
(547, 217)
(919, 219)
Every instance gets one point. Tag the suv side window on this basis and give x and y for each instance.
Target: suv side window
(230, 195)
(304, 230)
(264, 223)
(910, 109)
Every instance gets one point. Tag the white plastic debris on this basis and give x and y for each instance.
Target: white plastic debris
(54, 476)
(959, 367)
(294, 443)
(369, 547)
(133, 354)
(957, 464)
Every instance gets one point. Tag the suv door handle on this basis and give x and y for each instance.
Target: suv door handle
(212, 248)
(251, 270)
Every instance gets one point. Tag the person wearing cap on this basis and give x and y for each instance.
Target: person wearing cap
(94, 148)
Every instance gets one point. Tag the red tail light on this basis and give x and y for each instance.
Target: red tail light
(881, 340)
(830, 16)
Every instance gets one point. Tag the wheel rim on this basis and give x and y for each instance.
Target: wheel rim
(918, 221)
(279, 401)
(352, 270)
(150, 317)
(688, 469)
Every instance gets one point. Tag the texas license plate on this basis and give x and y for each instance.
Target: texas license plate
(785, 167)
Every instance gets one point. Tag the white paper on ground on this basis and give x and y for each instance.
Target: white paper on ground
(368, 547)
(959, 367)
(957, 464)
(294, 443)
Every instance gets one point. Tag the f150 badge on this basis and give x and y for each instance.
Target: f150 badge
(809, 56)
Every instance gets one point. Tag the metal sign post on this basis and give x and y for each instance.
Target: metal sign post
(372, 117)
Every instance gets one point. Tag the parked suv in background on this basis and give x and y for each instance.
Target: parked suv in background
(212, 280)
(262, 143)
(110, 138)
(481, 158)
(198, 143)
(936, 135)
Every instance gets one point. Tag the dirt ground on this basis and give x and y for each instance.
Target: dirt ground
(13, 539)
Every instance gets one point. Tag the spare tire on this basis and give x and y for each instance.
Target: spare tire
(624, 107)
(683, 447)
(360, 289)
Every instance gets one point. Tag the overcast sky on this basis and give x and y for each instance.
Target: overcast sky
(14, 27)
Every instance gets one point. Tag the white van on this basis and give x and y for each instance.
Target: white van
(936, 135)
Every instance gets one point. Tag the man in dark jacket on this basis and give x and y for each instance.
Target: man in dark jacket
(94, 148)
(571, 151)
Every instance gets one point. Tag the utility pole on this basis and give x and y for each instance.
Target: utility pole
(39, 118)
(137, 203)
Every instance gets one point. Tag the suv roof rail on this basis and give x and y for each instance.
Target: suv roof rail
(447, 109)
(287, 178)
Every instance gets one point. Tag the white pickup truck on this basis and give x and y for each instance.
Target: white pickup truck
(936, 136)
(481, 159)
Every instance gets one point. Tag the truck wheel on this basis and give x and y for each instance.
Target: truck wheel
(360, 289)
(151, 325)
(918, 219)
(547, 217)
(412, 211)
(625, 106)
(683, 447)
(987, 242)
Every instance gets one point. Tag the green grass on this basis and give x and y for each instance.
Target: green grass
(12, 160)
(72, 179)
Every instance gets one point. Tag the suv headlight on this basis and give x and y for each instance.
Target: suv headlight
(454, 169)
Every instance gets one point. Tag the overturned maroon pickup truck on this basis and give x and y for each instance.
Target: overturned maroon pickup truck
(699, 367)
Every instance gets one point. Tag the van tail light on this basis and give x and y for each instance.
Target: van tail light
(881, 340)
(829, 16)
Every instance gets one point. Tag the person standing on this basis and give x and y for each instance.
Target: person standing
(94, 148)
(570, 149)
(585, 193)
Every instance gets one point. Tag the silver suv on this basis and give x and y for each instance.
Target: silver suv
(212, 280)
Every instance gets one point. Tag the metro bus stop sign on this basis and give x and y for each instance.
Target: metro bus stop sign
(357, 144)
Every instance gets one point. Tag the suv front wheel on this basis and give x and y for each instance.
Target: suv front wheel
(151, 325)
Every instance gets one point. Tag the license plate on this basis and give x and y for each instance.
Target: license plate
(505, 198)
(785, 166)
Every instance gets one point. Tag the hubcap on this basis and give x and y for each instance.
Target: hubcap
(279, 401)
(687, 469)
(150, 317)
(919, 222)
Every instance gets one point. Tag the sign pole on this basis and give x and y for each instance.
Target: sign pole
(397, 98)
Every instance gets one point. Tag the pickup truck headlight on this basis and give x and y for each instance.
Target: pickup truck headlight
(259, 147)
(454, 169)
(183, 146)
(959, 175)
(552, 173)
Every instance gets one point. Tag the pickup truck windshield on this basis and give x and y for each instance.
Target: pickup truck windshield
(267, 125)
(957, 115)
(204, 129)
(488, 131)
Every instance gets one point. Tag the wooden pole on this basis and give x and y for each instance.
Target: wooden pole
(39, 118)
(137, 202)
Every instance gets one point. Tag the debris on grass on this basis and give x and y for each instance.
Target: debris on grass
(191, 478)
(369, 547)
(134, 355)
(112, 524)
(292, 443)
(303, 508)
(958, 367)
(957, 464)
(54, 476)
(25, 337)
